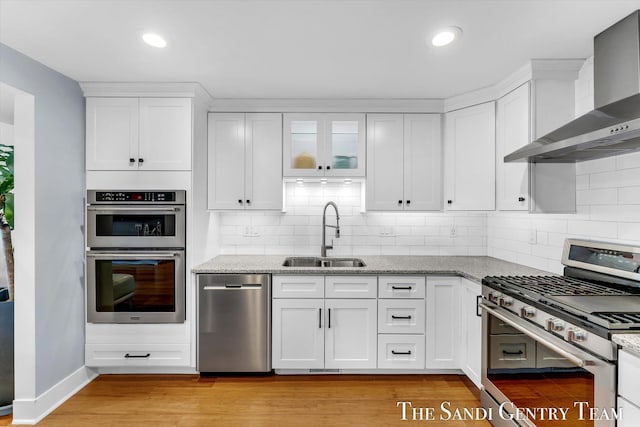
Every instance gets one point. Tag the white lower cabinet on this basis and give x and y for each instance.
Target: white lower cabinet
(471, 331)
(629, 388)
(401, 322)
(319, 333)
(399, 351)
(100, 355)
(442, 331)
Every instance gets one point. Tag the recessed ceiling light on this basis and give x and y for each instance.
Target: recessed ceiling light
(446, 36)
(154, 40)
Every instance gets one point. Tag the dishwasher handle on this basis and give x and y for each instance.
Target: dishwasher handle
(224, 286)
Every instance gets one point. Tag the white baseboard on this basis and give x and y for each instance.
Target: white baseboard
(31, 411)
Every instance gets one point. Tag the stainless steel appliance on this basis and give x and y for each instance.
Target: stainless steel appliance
(136, 269)
(614, 126)
(547, 339)
(234, 323)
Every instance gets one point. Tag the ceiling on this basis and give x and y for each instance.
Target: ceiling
(305, 48)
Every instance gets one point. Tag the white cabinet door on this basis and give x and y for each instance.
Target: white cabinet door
(138, 133)
(297, 334)
(385, 159)
(344, 145)
(263, 161)
(165, 134)
(422, 162)
(112, 133)
(471, 331)
(513, 124)
(302, 148)
(442, 314)
(226, 161)
(350, 334)
(470, 158)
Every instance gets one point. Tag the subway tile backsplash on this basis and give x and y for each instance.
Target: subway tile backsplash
(298, 231)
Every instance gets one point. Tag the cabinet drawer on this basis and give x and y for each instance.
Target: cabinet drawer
(511, 351)
(351, 286)
(401, 287)
(401, 351)
(546, 358)
(630, 413)
(498, 326)
(102, 355)
(298, 287)
(401, 316)
(628, 374)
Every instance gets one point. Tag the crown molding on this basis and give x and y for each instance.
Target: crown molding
(327, 105)
(144, 89)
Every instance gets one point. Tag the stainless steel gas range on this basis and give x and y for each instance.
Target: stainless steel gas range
(548, 358)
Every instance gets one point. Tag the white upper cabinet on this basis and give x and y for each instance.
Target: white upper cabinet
(139, 133)
(245, 161)
(404, 157)
(470, 158)
(512, 132)
(323, 145)
(524, 114)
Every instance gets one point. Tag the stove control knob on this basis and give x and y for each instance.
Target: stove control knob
(555, 325)
(506, 302)
(577, 335)
(494, 296)
(528, 312)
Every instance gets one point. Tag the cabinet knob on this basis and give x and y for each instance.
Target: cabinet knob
(248, 201)
(408, 202)
(328, 167)
(399, 202)
(140, 160)
(521, 199)
(449, 202)
(240, 201)
(132, 160)
(319, 167)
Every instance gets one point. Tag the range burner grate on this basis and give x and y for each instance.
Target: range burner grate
(559, 286)
(626, 319)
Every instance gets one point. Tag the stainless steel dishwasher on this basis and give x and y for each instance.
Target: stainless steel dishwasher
(234, 323)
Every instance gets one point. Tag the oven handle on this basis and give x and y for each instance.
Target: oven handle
(163, 255)
(572, 357)
(133, 210)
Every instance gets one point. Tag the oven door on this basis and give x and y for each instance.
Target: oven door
(161, 226)
(135, 287)
(527, 371)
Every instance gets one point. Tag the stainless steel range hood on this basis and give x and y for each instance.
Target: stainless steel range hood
(613, 127)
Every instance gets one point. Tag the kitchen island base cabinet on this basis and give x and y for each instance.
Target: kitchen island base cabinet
(319, 333)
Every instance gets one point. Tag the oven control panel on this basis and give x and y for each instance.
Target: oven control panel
(135, 197)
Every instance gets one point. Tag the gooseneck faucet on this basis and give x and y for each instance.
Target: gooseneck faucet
(324, 247)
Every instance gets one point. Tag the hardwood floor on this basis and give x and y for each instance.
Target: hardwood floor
(311, 400)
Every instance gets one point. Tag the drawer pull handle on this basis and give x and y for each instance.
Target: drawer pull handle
(401, 288)
(320, 318)
(137, 356)
(512, 353)
(401, 352)
(393, 316)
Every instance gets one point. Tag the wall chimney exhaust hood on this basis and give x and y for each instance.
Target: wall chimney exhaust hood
(613, 127)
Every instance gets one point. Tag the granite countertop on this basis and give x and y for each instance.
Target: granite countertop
(630, 342)
(471, 267)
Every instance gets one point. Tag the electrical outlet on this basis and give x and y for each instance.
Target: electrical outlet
(533, 237)
(453, 232)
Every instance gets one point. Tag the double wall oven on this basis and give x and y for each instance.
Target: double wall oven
(136, 256)
(548, 357)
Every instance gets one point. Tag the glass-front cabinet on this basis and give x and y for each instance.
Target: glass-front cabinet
(324, 145)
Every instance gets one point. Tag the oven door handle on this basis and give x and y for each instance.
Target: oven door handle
(162, 255)
(572, 357)
(132, 210)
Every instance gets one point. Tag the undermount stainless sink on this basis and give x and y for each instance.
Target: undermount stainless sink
(322, 262)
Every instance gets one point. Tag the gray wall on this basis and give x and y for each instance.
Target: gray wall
(59, 183)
